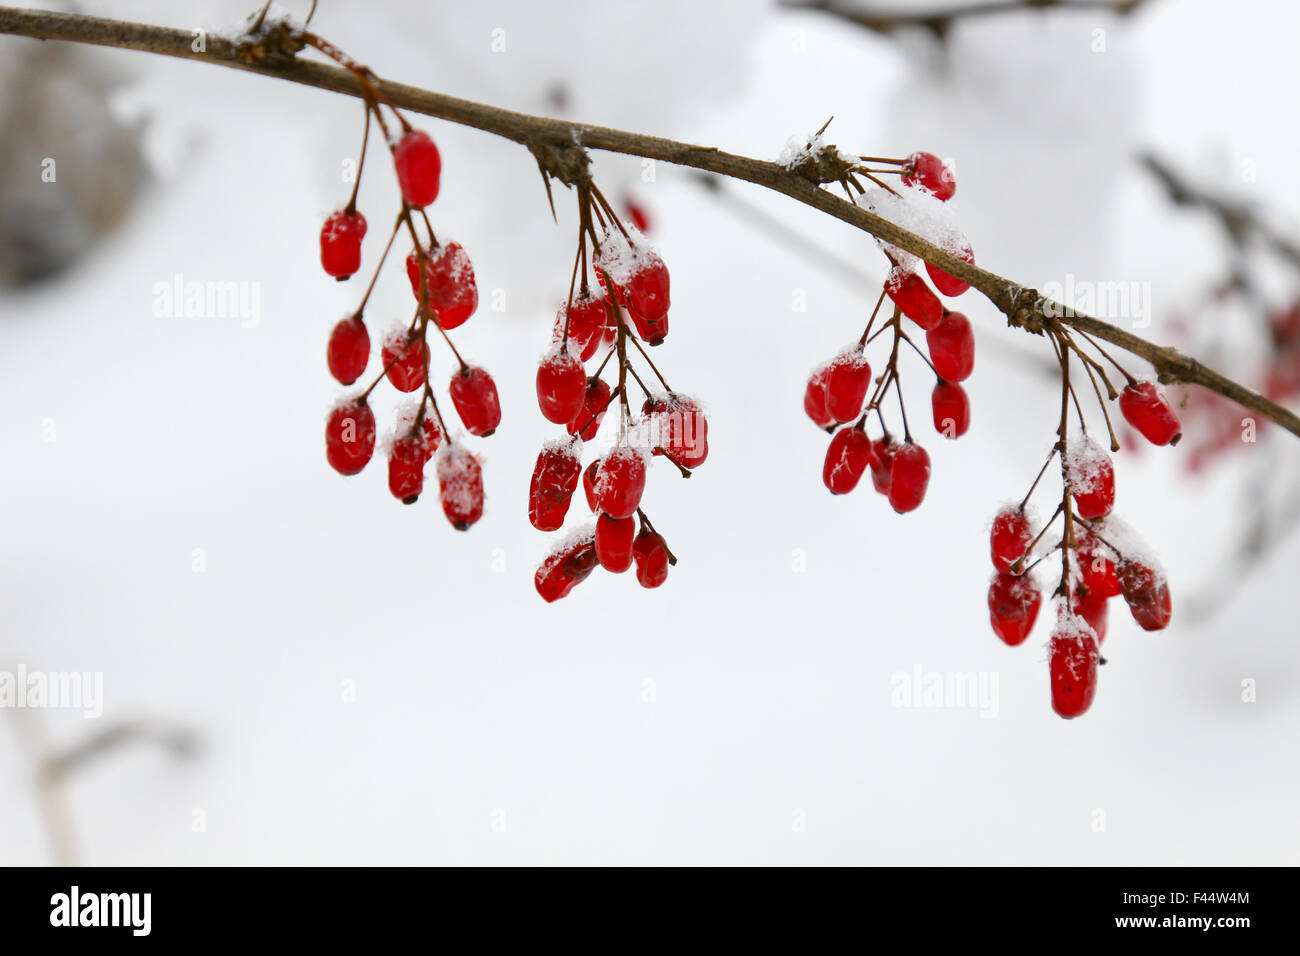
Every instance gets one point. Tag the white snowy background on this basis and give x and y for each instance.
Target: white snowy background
(491, 728)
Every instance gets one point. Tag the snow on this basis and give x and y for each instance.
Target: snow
(798, 151)
(1087, 462)
(623, 256)
(919, 212)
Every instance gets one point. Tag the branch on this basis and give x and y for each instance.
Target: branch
(939, 21)
(1024, 307)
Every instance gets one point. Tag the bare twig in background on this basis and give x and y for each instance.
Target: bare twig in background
(274, 54)
(939, 19)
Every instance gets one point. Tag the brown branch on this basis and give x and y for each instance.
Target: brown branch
(274, 54)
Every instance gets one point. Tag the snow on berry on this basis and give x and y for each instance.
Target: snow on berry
(568, 565)
(848, 376)
(1009, 536)
(927, 171)
(561, 385)
(450, 283)
(1092, 477)
(555, 478)
(586, 324)
(919, 212)
(815, 397)
(675, 426)
(406, 459)
(460, 484)
(403, 355)
(1072, 664)
(620, 482)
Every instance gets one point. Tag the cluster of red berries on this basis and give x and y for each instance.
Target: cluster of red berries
(632, 308)
(1101, 559)
(836, 396)
(446, 295)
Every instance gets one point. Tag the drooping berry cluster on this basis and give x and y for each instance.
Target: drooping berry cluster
(836, 395)
(1101, 557)
(631, 307)
(446, 295)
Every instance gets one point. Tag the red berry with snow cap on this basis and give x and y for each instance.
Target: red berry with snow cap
(419, 168)
(1096, 566)
(847, 380)
(1009, 537)
(348, 350)
(475, 396)
(1013, 607)
(1147, 594)
(406, 467)
(1092, 478)
(1073, 668)
(460, 483)
(929, 172)
(586, 324)
(449, 283)
(555, 478)
(620, 482)
(678, 428)
(340, 243)
(816, 399)
(404, 358)
(565, 568)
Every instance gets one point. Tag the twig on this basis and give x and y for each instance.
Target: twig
(1024, 307)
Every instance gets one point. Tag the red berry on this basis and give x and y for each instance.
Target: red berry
(340, 243)
(432, 436)
(1092, 478)
(678, 429)
(1092, 608)
(949, 285)
(815, 398)
(1009, 538)
(848, 377)
(595, 403)
(349, 350)
(651, 556)
(404, 358)
(460, 481)
(914, 298)
(1145, 408)
(620, 482)
(847, 460)
(419, 168)
(1073, 667)
(565, 568)
(1013, 607)
(909, 476)
(449, 279)
(561, 386)
(636, 212)
(586, 324)
(929, 172)
(882, 463)
(350, 436)
(1096, 567)
(951, 409)
(475, 396)
(1147, 594)
(406, 467)
(952, 348)
(647, 298)
(589, 483)
(555, 478)
(614, 542)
